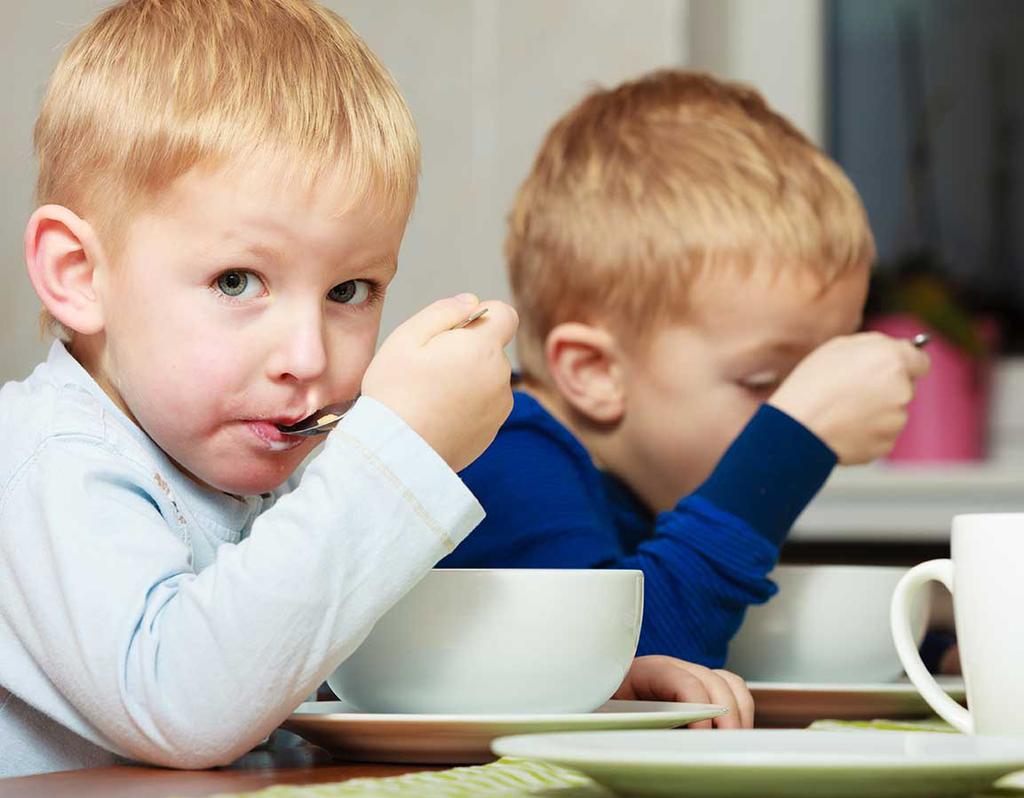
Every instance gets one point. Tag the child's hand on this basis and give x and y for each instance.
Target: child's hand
(451, 386)
(657, 678)
(853, 392)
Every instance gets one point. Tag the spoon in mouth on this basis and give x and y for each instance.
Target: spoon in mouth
(326, 418)
(920, 339)
(319, 423)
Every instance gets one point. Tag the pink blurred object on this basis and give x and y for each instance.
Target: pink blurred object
(948, 419)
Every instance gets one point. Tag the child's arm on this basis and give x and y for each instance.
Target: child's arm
(846, 401)
(122, 641)
(117, 637)
(708, 558)
(547, 507)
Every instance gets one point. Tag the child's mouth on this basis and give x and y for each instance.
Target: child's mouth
(272, 437)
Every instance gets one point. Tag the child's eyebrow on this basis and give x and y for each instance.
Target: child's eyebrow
(773, 345)
(383, 263)
(262, 251)
(236, 249)
(778, 346)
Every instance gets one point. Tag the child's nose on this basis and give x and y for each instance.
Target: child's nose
(299, 353)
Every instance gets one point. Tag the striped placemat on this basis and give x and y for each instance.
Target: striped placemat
(506, 778)
(928, 724)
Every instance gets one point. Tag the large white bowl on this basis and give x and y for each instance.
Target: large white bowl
(828, 623)
(499, 641)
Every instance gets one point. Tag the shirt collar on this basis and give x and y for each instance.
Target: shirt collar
(231, 512)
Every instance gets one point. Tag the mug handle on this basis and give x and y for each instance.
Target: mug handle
(899, 618)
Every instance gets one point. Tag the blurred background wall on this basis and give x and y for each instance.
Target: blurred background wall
(484, 78)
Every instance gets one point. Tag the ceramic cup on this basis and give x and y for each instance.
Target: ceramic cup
(499, 641)
(827, 623)
(986, 578)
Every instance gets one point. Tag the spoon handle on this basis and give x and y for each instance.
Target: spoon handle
(469, 319)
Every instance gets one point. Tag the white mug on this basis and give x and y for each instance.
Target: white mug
(986, 578)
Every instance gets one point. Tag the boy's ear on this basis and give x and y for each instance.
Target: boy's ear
(586, 365)
(62, 252)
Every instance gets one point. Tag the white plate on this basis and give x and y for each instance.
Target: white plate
(798, 704)
(773, 763)
(466, 739)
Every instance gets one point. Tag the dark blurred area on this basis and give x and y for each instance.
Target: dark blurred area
(926, 114)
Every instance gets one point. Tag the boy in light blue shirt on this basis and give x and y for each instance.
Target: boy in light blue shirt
(223, 190)
(221, 209)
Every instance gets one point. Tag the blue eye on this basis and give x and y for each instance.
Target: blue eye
(350, 292)
(239, 284)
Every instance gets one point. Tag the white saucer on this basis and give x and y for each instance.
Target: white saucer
(466, 739)
(800, 703)
(777, 763)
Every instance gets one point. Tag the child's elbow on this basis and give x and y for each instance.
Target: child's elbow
(201, 760)
(191, 754)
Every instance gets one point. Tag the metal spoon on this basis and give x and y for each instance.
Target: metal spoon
(920, 339)
(326, 418)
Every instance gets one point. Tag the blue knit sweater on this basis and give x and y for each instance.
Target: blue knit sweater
(704, 562)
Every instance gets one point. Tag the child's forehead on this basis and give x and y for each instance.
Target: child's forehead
(259, 216)
(264, 199)
(774, 310)
(271, 183)
(771, 287)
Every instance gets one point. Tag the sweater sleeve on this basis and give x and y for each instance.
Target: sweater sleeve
(710, 556)
(543, 503)
(118, 638)
(706, 560)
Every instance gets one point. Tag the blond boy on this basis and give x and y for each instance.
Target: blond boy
(223, 189)
(689, 271)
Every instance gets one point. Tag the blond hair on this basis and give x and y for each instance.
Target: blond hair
(639, 190)
(154, 88)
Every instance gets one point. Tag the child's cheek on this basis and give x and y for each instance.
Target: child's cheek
(215, 368)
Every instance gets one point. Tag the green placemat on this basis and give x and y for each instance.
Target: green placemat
(506, 778)
(935, 724)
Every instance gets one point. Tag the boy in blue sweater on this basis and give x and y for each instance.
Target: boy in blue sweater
(689, 272)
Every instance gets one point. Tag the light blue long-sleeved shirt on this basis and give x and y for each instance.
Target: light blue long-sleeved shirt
(143, 617)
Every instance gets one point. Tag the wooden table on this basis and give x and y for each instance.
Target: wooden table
(256, 770)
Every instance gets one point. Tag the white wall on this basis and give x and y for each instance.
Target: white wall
(31, 34)
(485, 79)
(776, 45)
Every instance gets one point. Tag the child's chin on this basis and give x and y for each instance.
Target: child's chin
(250, 479)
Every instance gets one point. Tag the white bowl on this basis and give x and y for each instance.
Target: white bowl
(499, 641)
(828, 623)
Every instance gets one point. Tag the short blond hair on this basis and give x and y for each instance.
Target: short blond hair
(153, 88)
(640, 189)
